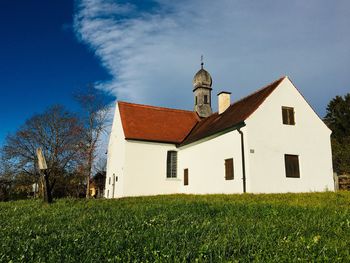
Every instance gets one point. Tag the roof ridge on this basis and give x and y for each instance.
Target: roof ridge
(154, 107)
(261, 89)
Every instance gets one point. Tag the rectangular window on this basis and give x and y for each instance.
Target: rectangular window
(196, 102)
(292, 165)
(171, 169)
(229, 169)
(288, 115)
(206, 99)
(186, 176)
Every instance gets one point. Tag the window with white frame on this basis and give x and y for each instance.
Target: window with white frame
(171, 167)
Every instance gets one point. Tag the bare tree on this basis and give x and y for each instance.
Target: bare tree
(100, 164)
(58, 133)
(6, 179)
(95, 107)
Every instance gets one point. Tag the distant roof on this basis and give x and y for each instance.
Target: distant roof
(149, 123)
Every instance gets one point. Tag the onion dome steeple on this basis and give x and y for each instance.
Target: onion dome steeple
(202, 79)
(202, 82)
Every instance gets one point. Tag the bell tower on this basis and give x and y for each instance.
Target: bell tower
(202, 92)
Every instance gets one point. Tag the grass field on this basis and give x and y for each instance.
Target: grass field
(214, 228)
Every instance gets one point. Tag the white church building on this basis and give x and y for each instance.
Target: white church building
(271, 141)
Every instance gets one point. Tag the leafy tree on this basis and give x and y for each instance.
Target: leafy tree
(338, 120)
(95, 106)
(59, 133)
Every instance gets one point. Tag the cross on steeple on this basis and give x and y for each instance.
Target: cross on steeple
(202, 61)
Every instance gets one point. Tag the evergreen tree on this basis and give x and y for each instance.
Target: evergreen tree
(338, 120)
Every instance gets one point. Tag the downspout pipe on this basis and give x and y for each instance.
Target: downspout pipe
(243, 160)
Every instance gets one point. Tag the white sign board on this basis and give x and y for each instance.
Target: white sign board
(41, 159)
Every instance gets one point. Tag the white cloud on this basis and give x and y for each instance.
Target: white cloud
(153, 50)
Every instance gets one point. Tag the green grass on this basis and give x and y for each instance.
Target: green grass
(214, 228)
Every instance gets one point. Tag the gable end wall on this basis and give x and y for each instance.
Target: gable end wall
(269, 139)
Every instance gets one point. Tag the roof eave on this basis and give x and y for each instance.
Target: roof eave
(149, 140)
(215, 134)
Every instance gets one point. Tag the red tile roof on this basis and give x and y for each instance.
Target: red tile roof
(148, 123)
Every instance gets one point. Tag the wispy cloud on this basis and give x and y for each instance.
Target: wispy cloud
(152, 48)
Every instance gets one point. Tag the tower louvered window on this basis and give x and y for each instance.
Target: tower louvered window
(171, 170)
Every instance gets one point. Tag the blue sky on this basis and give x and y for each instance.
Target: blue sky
(41, 61)
(148, 51)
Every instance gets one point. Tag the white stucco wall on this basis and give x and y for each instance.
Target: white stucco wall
(145, 169)
(115, 159)
(270, 139)
(205, 161)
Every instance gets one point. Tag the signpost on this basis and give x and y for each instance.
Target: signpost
(41, 159)
(43, 170)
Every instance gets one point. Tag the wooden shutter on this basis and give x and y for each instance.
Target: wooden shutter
(288, 115)
(292, 165)
(291, 116)
(186, 176)
(229, 169)
(285, 115)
